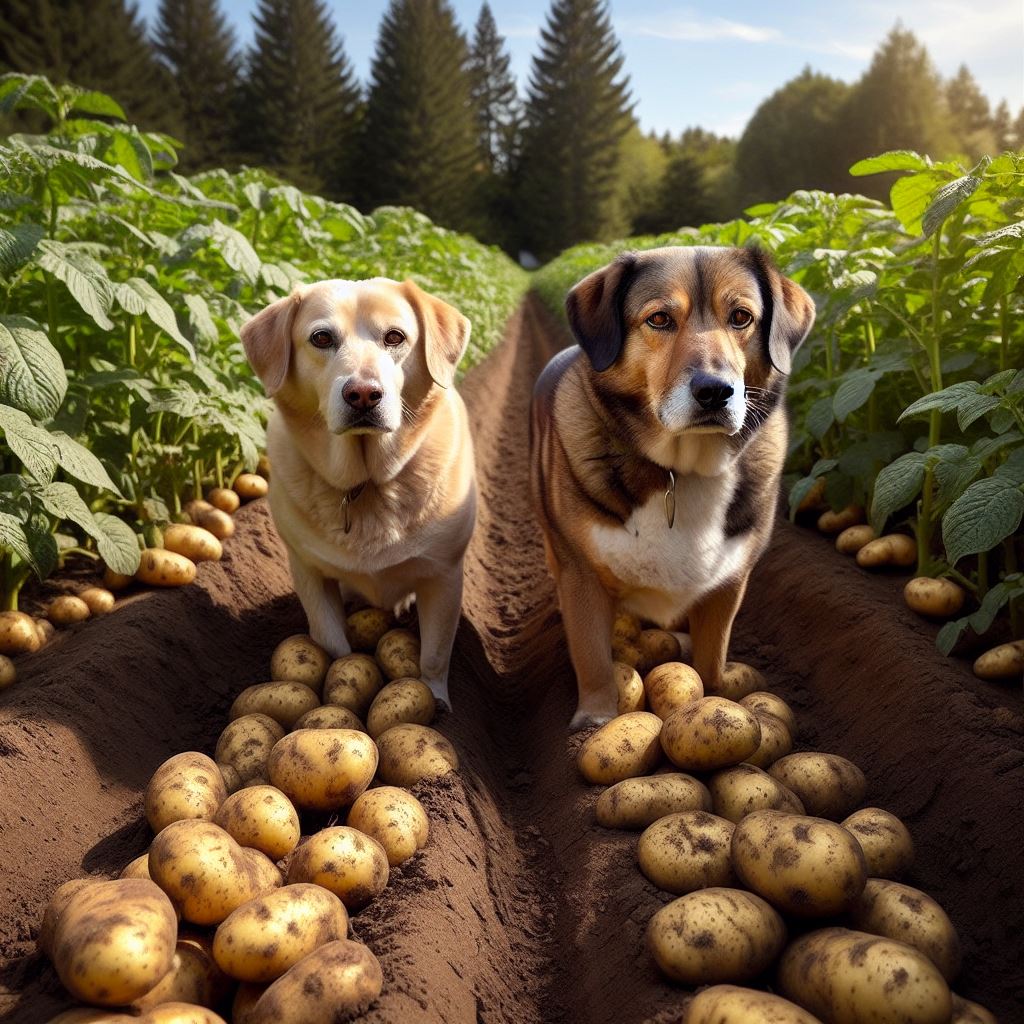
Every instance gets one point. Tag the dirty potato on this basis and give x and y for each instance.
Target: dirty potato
(732, 1004)
(738, 681)
(160, 568)
(267, 936)
(744, 788)
(966, 1012)
(98, 600)
(710, 733)
(670, 686)
(218, 522)
(718, 934)
(836, 522)
(762, 700)
(410, 753)
(401, 701)
(637, 803)
(194, 979)
(283, 701)
(300, 659)
(329, 716)
(193, 542)
(630, 687)
(686, 851)
(223, 498)
(261, 817)
(137, 868)
(8, 673)
(18, 634)
(398, 654)
(395, 818)
(805, 866)
(939, 599)
(627, 653)
(853, 538)
(58, 904)
(829, 786)
(776, 741)
(187, 785)
(322, 769)
(623, 748)
(249, 486)
(626, 627)
(245, 745)
(365, 628)
(352, 682)
(886, 841)
(179, 1013)
(67, 609)
(656, 646)
(893, 549)
(345, 861)
(1003, 662)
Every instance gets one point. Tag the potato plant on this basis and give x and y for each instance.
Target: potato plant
(123, 285)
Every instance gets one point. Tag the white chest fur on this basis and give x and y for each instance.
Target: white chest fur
(662, 572)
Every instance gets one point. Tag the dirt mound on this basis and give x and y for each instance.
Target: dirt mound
(520, 909)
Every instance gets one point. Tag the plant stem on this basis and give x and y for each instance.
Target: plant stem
(869, 351)
(982, 574)
(219, 467)
(1004, 335)
(197, 466)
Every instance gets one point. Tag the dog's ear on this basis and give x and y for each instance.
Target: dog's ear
(788, 311)
(445, 333)
(267, 340)
(594, 308)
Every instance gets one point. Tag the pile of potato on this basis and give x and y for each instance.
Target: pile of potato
(237, 911)
(757, 841)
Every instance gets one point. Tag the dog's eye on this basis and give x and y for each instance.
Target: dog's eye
(659, 321)
(394, 337)
(740, 318)
(321, 339)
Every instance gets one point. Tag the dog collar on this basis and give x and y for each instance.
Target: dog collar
(346, 504)
(670, 500)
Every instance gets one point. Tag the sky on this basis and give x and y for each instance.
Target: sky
(710, 64)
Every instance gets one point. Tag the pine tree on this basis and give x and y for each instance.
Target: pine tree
(1002, 127)
(970, 114)
(494, 94)
(299, 107)
(98, 44)
(198, 48)
(420, 126)
(578, 110)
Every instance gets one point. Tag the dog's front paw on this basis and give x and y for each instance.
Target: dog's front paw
(333, 641)
(586, 719)
(440, 692)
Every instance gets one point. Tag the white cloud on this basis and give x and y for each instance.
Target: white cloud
(696, 29)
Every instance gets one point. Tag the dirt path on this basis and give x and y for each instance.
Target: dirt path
(520, 910)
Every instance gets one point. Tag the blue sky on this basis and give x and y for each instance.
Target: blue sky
(711, 64)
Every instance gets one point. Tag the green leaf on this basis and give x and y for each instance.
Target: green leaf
(946, 200)
(117, 544)
(200, 319)
(99, 103)
(236, 250)
(1013, 468)
(974, 408)
(32, 376)
(12, 537)
(17, 243)
(945, 400)
(80, 463)
(954, 475)
(156, 308)
(85, 278)
(985, 514)
(896, 486)
(853, 392)
(820, 417)
(33, 445)
(912, 196)
(893, 160)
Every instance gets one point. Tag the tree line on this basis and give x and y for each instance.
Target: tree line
(442, 127)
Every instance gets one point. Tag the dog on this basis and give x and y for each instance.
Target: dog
(657, 444)
(373, 488)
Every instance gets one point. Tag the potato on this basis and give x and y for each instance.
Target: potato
(179, 1013)
(626, 627)
(710, 733)
(246, 743)
(365, 628)
(398, 654)
(1003, 662)
(229, 773)
(323, 769)
(218, 522)
(300, 659)
(404, 700)
(196, 507)
(626, 653)
(966, 1012)
(66, 610)
(744, 788)
(656, 646)
(329, 716)
(939, 598)
(18, 633)
(802, 865)
(395, 818)
(670, 686)
(57, 905)
(624, 748)
(853, 538)
(114, 941)
(223, 498)
(718, 934)
(8, 673)
(630, 687)
(738, 681)
(92, 1015)
(891, 549)
(761, 700)
(193, 542)
(731, 1004)
(263, 467)
(263, 818)
(283, 701)
(137, 868)
(885, 840)
(187, 785)
(836, 522)
(194, 979)
(776, 742)
(908, 915)
(349, 863)
(265, 937)
(245, 1002)
(828, 785)
(116, 580)
(206, 873)
(410, 753)
(98, 600)
(637, 803)
(337, 982)
(685, 647)
(686, 851)
(160, 568)
(814, 499)
(848, 977)
(249, 486)
(352, 682)
(46, 631)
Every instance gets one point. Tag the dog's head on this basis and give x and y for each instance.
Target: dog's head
(690, 336)
(356, 352)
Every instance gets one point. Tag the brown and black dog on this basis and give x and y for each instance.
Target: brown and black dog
(657, 444)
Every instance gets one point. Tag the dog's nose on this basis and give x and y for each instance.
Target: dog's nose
(712, 393)
(362, 394)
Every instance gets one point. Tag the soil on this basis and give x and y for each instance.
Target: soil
(520, 909)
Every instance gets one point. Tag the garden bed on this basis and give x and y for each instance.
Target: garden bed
(520, 909)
